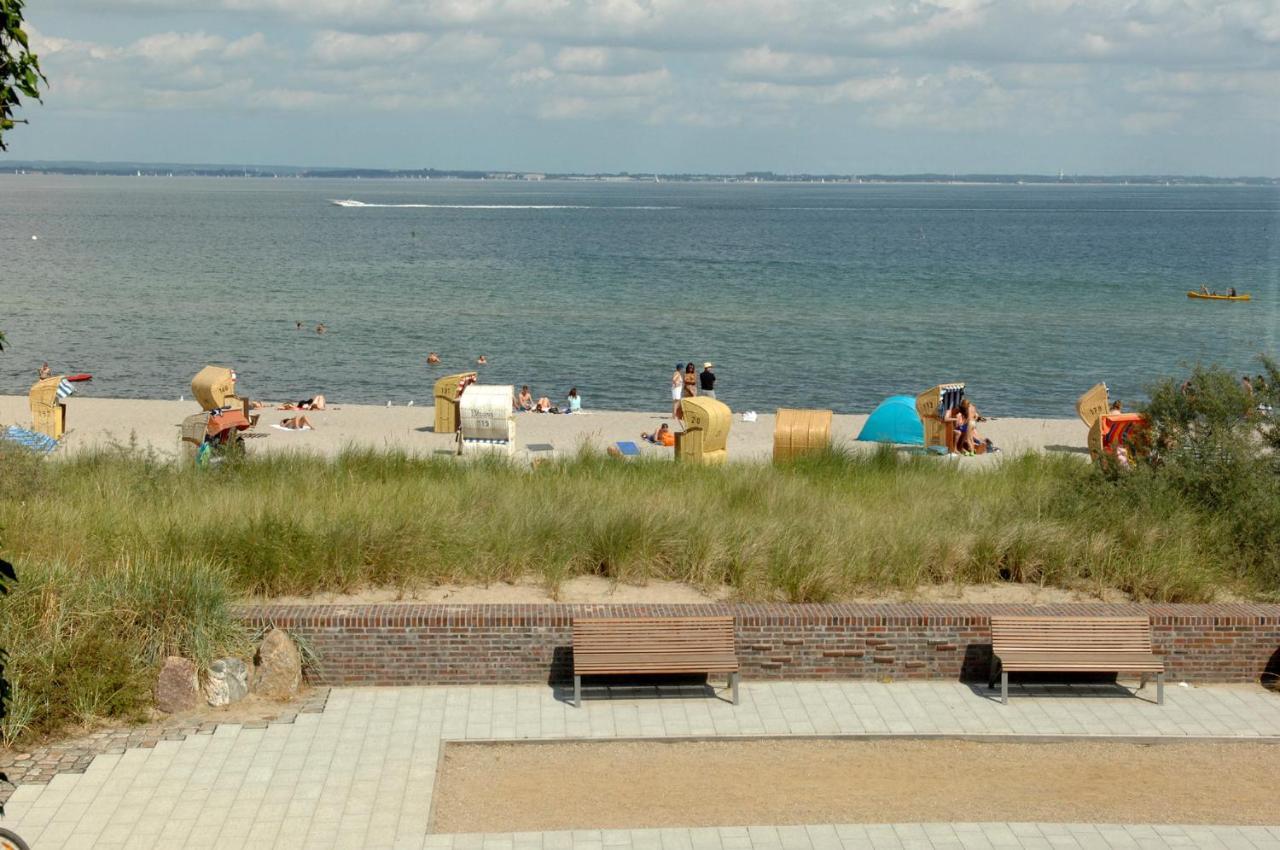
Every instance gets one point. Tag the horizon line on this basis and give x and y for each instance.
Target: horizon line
(481, 172)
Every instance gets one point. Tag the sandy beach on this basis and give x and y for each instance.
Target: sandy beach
(152, 424)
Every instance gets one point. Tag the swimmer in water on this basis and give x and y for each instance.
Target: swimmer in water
(481, 360)
(433, 358)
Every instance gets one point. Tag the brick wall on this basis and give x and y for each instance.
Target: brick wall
(406, 643)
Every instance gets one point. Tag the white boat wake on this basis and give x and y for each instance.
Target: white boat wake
(361, 204)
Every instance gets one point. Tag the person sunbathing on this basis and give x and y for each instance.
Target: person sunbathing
(963, 424)
(296, 423)
(313, 403)
(524, 401)
(661, 437)
(544, 405)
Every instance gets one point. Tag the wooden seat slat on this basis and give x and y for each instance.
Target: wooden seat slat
(1074, 644)
(617, 645)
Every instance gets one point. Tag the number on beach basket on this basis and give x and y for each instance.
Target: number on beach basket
(705, 438)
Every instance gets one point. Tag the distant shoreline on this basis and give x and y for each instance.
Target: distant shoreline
(259, 172)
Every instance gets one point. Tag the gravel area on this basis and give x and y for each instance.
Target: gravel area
(531, 787)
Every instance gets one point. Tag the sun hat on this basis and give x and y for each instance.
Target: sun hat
(706, 366)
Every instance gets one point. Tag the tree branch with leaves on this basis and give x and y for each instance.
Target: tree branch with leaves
(20, 74)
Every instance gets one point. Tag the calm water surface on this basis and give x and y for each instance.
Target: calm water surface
(804, 295)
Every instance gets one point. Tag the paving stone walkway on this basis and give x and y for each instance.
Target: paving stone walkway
(361, 773)
(74, 755)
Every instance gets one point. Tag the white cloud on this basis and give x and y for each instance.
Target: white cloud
(930, 67)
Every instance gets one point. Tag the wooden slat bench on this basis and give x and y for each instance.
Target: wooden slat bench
(1073, 644)
(603, 646)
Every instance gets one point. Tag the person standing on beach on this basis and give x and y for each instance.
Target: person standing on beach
(677, 390)
(707, 381)
(690, 380)
(44, 371)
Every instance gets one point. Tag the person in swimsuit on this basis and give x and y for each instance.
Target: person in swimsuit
(690, 380)
(433, 359)
(544, 405)
(959, 416)
(524, 401)
(45, 371)
(296, 423)
(658, 436)
(313, 403)
(677, 389)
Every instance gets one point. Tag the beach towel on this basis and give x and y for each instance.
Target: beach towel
(628, 448)
(65, 388)
(282, 428)
(33, 440)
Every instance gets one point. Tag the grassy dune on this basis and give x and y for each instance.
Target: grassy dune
(123, 559)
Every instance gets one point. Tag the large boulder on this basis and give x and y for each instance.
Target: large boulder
(228, 681)
(177, 686)
(277, 667)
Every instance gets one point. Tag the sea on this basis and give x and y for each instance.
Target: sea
(802, 295)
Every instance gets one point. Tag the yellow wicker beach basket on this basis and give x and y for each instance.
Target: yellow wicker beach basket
(48, 414)
(705, 438)
(447, 392)
(798, 432)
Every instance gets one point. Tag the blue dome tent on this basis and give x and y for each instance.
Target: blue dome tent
(894, 421)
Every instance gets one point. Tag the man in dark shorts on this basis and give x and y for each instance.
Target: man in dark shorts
(707, 382)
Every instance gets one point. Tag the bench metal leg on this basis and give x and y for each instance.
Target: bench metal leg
(1160, 689)
(577, 691)
(733, 684)
(1004, 688)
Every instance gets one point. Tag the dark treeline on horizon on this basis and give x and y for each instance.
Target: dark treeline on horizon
(133, 169)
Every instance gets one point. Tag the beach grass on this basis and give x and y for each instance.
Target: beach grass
(124, 558)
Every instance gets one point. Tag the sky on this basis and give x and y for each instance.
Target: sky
(818, 86)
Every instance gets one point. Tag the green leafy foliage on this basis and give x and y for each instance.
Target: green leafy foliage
(20, 74)
(1215, 448)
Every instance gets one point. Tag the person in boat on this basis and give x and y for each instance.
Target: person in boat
(1232, 292)
(1204, 290)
